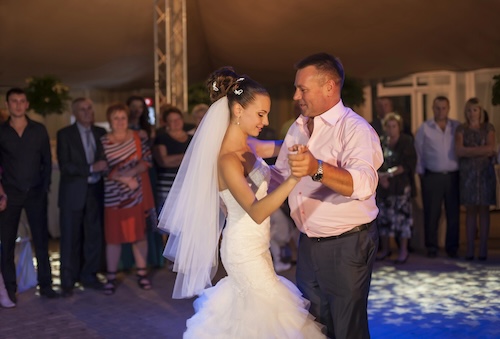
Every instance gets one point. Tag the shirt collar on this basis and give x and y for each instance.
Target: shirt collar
(329, 117)
(7, 122)
(81, 128)
(434, 124)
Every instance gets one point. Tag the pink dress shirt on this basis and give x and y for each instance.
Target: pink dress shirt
(344, 139)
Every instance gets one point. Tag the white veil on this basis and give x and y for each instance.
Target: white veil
(191, 214)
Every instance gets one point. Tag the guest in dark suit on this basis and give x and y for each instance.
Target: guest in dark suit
(81, 161)
(384, 106)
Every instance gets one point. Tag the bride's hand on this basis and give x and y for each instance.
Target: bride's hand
(301, 161)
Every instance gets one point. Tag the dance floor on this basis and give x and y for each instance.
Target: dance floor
(436, 298)
(424, 298)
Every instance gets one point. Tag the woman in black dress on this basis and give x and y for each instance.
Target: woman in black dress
(168, 152)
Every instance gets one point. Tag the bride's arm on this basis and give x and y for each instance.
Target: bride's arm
(232, 173)
(265, 148)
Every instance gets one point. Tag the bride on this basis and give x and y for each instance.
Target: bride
(220, 164)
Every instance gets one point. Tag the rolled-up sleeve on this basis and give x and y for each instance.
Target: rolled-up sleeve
(362, 158)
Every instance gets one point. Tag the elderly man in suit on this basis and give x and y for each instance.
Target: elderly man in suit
(81, 161)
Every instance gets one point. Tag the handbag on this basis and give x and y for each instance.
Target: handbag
(147, 191)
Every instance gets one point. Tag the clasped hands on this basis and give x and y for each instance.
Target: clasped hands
(126, 177)
(100, 166)
(301, 161)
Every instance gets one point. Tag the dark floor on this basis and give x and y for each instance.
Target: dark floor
(424, 298)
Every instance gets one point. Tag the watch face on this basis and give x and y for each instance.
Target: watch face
(317, 177)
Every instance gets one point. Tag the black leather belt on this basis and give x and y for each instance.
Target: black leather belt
(352, 231)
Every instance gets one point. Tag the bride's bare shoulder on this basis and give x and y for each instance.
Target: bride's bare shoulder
(230, 159)
(229, 165)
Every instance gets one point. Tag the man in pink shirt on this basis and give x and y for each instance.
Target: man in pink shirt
(334, 204)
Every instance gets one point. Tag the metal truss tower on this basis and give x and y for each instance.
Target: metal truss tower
(170, 40)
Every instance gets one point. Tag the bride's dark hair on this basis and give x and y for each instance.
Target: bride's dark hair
(238, 88)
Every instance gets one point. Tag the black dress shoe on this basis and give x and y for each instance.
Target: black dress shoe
(49, 293)
(452, 254)
(469, 258)
(431, 254)
(67, 292)
(482, 258)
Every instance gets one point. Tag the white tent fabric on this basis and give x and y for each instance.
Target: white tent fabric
(109, 43)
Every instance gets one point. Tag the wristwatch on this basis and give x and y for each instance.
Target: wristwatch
(318, 176)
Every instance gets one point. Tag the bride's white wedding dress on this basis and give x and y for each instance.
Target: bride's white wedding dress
(252, 301)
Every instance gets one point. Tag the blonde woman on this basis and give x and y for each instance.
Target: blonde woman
(475, 147)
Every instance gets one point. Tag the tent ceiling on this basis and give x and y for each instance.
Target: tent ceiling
(109, 44)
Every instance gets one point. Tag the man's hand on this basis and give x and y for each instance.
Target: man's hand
(100, 166)
(302, 162)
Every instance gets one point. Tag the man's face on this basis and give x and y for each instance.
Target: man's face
(84, 112)
(136, 108)
(440, 109)
(312, 92)
(383, 106)
(17, 104)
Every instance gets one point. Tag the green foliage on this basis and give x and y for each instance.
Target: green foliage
(352, 92)
(495, 97)
(197, 94)
(46, 95)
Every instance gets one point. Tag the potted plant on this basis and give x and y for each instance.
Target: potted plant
(46, 95)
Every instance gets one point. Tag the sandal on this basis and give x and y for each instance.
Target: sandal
(110, 286)
(142, 279)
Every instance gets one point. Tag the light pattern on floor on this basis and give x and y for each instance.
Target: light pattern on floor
(466, 296)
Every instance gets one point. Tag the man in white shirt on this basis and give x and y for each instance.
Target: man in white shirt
(437, 167)
(334, 204)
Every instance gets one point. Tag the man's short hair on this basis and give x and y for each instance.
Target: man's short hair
(442, 98)
(14, 90)
(326, 64)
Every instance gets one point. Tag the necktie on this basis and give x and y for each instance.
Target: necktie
(90, 154)
(89, 147)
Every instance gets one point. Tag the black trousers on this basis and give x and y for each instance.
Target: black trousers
(35, 204)
(335, 275)
(82, 236)
(436, 189)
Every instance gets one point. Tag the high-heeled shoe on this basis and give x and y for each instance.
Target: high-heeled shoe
(383, 257)
(401, 261)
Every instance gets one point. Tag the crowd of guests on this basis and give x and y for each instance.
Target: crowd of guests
(113, 185)
(455, 164)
